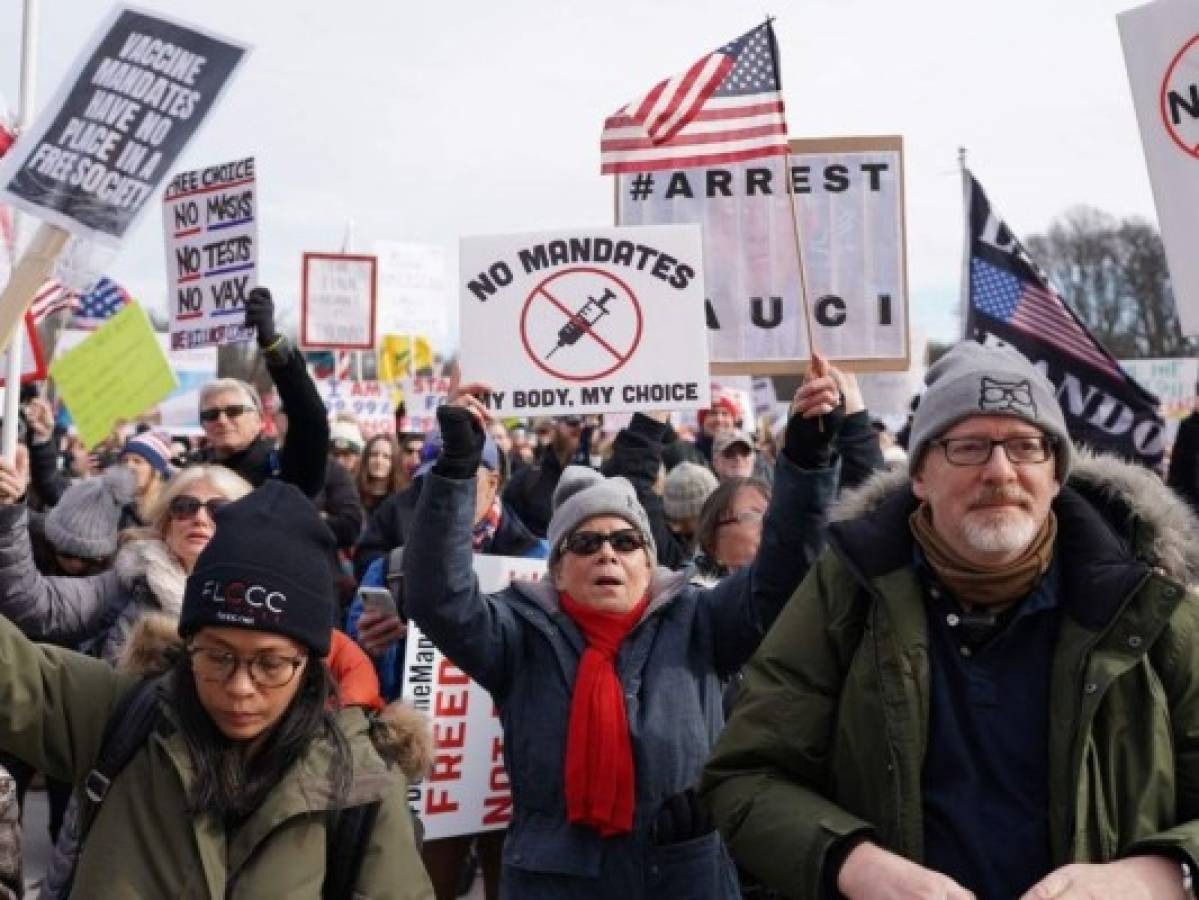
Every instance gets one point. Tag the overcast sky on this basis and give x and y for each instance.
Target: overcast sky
(423, 123)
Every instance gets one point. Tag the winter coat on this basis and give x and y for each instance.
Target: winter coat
(303, 458)
(145, 577)
(339, 505)
(1183, 474)
(530, 491)
(144, 844)
(525, 651)
(829, 736)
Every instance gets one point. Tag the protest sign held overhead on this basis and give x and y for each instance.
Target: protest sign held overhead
(33, 361)
(467, 790)
(118, 372)
(585, 321)
(1172, 381)
(414, 288)
(136, 95)
(368, 401)
(848, 199)
(337, 307)
(211, 233)
(422, 395)
(1161, 51)
(1009, 299)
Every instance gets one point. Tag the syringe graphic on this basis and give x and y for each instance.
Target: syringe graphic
(593, 310)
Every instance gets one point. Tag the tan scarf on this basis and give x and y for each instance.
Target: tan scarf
(986, 587)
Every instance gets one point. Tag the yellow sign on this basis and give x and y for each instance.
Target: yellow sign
(403, 355)
(116, 374)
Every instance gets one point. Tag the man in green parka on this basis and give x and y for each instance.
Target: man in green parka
(988, 686)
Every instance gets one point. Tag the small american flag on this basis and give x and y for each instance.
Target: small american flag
(100, 304)
(726, 108)
(1037, 311)
(53, 297)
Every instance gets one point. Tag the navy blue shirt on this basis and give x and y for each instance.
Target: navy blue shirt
(986, 771)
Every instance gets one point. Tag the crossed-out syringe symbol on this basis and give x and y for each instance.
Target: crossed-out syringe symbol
(583, 320)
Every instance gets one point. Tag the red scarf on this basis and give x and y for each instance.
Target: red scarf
(599, 755)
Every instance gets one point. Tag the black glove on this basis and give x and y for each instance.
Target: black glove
(260, 312)
(809, 442)
(682, 818)
(461, 443)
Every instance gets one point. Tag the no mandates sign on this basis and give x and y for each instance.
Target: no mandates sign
(602, 320)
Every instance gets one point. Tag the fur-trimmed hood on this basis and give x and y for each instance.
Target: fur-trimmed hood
(401, 735)
(152, 560)
(1158, 526)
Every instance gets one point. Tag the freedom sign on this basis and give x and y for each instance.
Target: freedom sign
(139, 90)
(468, 790)
(211, 234)
(1161, 51)
(850, 213)
(602, 320)
(337, 303)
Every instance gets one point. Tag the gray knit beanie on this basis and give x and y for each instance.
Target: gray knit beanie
(687, 487)
(583, 493)
(86, 520)
(976, 380)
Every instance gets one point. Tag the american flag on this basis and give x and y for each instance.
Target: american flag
(53, 297)
(726, 108)
(100, 304)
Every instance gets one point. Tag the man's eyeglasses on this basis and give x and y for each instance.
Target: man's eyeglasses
(745, 517)
(585, 543)
(267, 670)
(185, 506)
(976, 451)
(232, 411)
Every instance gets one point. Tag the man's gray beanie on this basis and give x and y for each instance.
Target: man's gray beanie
(87, 518)
(584, 493)
(976, 380)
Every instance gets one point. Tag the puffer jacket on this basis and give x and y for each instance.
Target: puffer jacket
(97, 609)
(829, 737)
(56, 704)
(525, 651)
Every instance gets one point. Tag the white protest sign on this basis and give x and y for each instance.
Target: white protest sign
(368, 401)
(422, 395)
(179, 413)
(211, 234)
(1172, 381)
(337, 308)
(414, 288)
(849, 196)
(468, 789)
(572, 322)
(33, 361)
(1161, 51)
(135, 96)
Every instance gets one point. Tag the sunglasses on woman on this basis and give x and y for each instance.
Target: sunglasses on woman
(185, 507)
(585, 543)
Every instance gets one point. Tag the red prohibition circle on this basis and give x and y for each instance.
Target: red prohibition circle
(1174, 136)
(540, 287)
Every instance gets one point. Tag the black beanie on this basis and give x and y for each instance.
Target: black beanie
(267, 568)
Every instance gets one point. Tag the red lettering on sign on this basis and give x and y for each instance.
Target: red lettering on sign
(448, 673)
(439, 802)
(449, 737)
(497, 749)
(497, 810)
(447, 767)
(451, 704)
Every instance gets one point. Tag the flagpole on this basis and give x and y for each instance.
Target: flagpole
(966, 197)
(26, 90)
(803, 279)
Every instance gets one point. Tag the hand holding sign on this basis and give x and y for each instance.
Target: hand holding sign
(817, 411)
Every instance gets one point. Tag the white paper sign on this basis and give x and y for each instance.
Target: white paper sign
(1161, 51)
(211, 232)
(422, 395)
(572, 322)
(1172, 381)
(368, 401)
(337, 309)
(849, 197)
(468, 789)
(179, 413)
(414, 288)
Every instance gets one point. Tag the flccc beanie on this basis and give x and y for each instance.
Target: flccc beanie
(267, 568)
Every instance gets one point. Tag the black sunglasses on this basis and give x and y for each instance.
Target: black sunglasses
(232, 411)
(585, 543)
(185, 506)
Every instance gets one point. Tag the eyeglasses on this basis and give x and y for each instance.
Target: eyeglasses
(267, 670)
(976, 451)
(740, 450)
(185, 506)
(232, 411)
(585, 543)
(745, 517)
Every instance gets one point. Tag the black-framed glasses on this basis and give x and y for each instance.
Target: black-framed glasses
(185, 506)
(232, 411)
(585, 543)
(976, 451)
(267, 670)
(745, 517)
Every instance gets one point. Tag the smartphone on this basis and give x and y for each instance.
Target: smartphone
(378, 599)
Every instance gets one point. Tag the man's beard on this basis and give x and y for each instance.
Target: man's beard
(1006, 530)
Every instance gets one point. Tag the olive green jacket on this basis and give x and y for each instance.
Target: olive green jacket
(827, 741)
(54, 704)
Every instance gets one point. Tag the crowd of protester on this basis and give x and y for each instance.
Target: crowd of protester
(188, 655)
